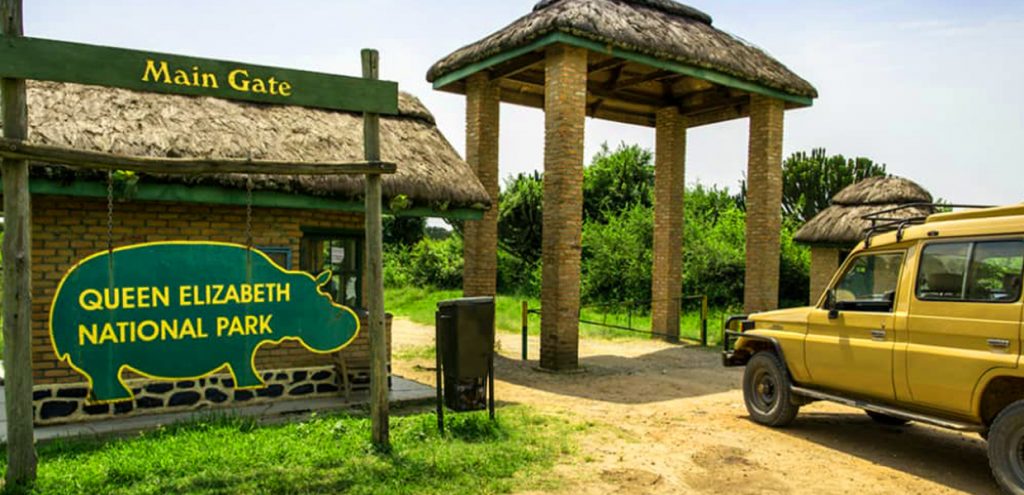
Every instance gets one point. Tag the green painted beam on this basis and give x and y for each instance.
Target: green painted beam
(226, 196)
(679, 68)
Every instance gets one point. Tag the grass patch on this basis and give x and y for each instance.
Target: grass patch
(325, 454)
(419, 305)
(415, 352)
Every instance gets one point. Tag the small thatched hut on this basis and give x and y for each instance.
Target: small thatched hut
(302, 222)
(836, 230)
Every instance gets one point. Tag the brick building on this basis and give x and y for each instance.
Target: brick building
(652, 63)
(302, 222)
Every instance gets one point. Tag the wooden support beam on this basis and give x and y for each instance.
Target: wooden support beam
(516, 66)
(17, 149)
(379, 416)
(611, 63)
(657, 75)
(17, 273)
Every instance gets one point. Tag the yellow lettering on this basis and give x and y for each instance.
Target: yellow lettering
(285, 88)
(235, 84)
(222, 324)
(285, 294)
(245, 293)
(210, 81)
(251, 324)
(161, 296)
(85, 332)
(169, 328)
(187, 330)
(181, 78)
(155, 73)
(265, 324)
(199, 327)
(231, 296)
(128, 298)
(257, 293)
(236, 327)
(90, 300)
(258, 86)
(108, 334)
(184, 296)
(142, 328)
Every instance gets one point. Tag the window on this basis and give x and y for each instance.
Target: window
(342, 254)
(976, 272)
(281, 255)
(869, 284)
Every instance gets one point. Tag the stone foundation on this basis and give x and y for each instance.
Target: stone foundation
(65, 403)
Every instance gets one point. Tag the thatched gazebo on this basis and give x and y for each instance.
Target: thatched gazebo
(654, 63)
(836, 230)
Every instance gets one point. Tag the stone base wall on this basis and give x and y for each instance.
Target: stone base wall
(66, 403)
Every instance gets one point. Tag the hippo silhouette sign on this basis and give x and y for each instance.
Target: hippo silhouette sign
(184, 310)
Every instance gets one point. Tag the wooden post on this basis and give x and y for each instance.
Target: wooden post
(17, 267)
(375, 270)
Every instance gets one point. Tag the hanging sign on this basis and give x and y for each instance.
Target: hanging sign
(50, 60)
(184, 310)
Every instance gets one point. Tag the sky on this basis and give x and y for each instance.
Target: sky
(933, 89)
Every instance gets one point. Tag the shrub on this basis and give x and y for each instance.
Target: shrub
(617, 257)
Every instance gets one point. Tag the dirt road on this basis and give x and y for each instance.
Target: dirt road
(671, 420)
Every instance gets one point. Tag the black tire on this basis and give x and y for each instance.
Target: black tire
(766, 391)
(885, 419)
(1006, 448)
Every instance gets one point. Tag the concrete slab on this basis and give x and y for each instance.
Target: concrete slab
(403, 393)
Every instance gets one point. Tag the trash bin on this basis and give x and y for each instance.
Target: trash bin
(465, 349)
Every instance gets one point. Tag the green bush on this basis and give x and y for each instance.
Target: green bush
(429, 263)
(617, 257)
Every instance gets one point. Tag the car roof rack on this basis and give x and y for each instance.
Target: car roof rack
(890, 219)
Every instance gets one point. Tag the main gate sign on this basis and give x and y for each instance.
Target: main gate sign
(49, 60)
(183, 310)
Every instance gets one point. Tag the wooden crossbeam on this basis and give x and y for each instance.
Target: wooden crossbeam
(650, 76)
(611, 63)
(516, 66)
(21, 150)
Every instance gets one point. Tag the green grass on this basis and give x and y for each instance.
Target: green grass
(419, 305)
(326, 454)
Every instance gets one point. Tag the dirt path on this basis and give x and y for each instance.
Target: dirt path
(671, 420)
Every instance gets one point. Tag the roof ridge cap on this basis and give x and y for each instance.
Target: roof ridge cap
(669, 7)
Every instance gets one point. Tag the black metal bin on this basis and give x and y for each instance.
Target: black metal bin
(465, 353)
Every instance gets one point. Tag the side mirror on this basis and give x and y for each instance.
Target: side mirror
(830, 304)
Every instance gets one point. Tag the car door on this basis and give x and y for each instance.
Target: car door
(850, 350)
(964, 319)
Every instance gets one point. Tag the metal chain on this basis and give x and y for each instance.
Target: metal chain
(248, 212)
(110, 211)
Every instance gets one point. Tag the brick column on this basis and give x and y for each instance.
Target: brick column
(764, 204)
(565, 98)
(669, 188)
(480, 248)
(824, 262)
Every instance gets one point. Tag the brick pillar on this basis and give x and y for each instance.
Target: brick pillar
(565, 98)
(669, 188)
(764, 204)
(480, 249)
(824, 262)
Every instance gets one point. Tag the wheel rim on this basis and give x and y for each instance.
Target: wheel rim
(1017, 454)
(765, 393)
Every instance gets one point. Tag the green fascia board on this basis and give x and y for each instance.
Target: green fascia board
(680, 68)
(201, 194)
(62, 61)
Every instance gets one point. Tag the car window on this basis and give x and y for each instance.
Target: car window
(942, 271)
(869, 283)
(995, 274)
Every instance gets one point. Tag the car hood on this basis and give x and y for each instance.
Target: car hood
(783, 317)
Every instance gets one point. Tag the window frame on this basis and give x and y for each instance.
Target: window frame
(321, 234)
(972, 248)
(271, 250)
(851, 259)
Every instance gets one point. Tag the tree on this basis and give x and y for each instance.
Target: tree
(520, 216)
(616, 181)
(403, 231)
(810, 181)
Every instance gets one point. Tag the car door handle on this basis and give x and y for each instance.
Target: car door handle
(878, 335)
(999, 343)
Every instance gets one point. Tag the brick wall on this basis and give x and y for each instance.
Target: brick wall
(564, 114)
(66, 230)
(480, 249)
(764, 204)
(669, 189)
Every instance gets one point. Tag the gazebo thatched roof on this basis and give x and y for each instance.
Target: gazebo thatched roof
(662, 30)
(842, 224)
(430, 172)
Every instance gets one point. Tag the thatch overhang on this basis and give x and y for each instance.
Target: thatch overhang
(842, 224)
(432, 179)
(644, 55)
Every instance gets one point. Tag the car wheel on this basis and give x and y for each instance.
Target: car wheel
(885, 419)
(766, 391)
(1006, 448)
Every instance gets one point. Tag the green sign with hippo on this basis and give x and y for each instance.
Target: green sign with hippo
(184, 310)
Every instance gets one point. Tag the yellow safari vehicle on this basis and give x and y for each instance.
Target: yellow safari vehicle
(922, 323)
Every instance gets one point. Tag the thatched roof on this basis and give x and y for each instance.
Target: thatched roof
(842, 224)
(663, 29)
(430, 172)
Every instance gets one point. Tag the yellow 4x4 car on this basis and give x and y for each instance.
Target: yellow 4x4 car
(922, 323)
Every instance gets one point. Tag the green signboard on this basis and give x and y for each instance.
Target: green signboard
(49, 60)
(184, 310)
